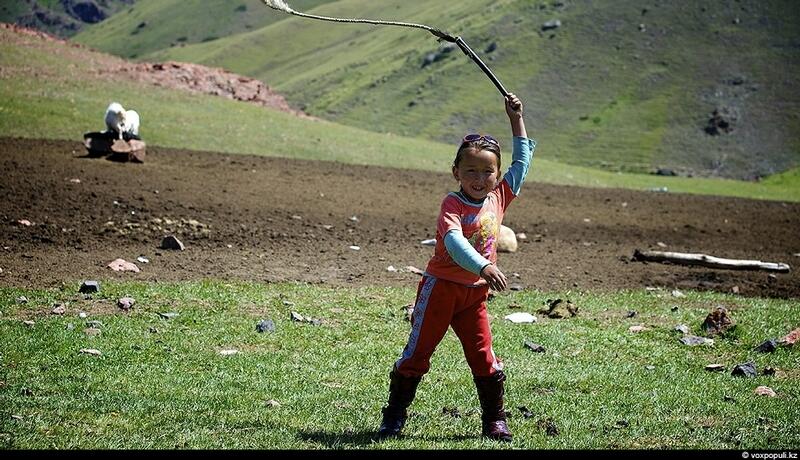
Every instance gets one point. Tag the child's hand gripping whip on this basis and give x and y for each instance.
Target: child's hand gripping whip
(282, 6)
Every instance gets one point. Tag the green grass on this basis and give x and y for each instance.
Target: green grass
(162, 383)
(48, 92)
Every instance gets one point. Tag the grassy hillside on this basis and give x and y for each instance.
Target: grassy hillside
(151, 25)
(51, 90)
(619, 85)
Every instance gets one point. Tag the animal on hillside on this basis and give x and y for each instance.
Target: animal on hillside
(122, 121)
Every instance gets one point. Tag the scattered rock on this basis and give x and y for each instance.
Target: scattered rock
(22, 300)
(29, 322)
(747, 369)
(92, 331)
(682, 328)
(408, 311)
(24, 222)
(717, 322)
(525, 412)
(428, 242)
(121, 265)
(89, 287)
(171, 242)
(506, 240)
(305, 319)
(677, 293)
(415, 270)
(169, 315)
(91, 351)
(735, 290)
(551, 24)
(558, 309)
(765, 391)
(94, 324)
(535, 347)
(521, 317)
(59, 309)
(790, 338)
(695, 340)
(143, 259)
(768, 346)
(515, 287)
(272, 403)
(83, 315)
(126, 303)
(768, 371)
(630, 314)
(355, 248)
(548, 425)
(722, 121)
(229, 352)
(715, 368)
(637, 328)
(522, 236)
(391, 268)
(265, 325)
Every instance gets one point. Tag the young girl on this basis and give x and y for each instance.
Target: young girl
(455, 287)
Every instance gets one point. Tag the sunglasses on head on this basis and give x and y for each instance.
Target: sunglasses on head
(479, 138)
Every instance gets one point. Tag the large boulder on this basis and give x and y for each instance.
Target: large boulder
(106, 144)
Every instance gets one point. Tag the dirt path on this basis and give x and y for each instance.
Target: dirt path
(261, 219)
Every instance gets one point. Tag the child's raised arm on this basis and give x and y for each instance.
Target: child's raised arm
(522, 146)
(514, 111)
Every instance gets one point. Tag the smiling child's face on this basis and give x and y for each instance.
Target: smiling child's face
(478, 173)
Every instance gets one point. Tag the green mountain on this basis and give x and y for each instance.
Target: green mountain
(699, 88)
(62, 18)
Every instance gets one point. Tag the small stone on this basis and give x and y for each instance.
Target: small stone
(650, 368)
(630, 314)
(355, 248)
(747, 369)
(790, 338)
(715, 368)
(735, 290)
(94, 324)
(24, 222)
(673, 309)
(768, 346)
(682, 328)
(717, 322)
(525, 412)
(727, 398)
(126, 303)
(677, 293)
(59, 309)
(89, 287)
(169, 315)
(91, 351)
(143, 259)
(228, 352)
(768, 371)
(429, 242)
(521, 317)
(83, 315)
(28, 322)
(516, 287)
(661, 245)
(297, 317)
(637, 329)
(272, 403)
(265, 325)
(535, 347)
(22, 299)
(354, 218)
(415, 270)
(765, 391)
(522, 236)
(92, 331)
(391, 268)
(70, 326)
(695, 340)
(171, 242)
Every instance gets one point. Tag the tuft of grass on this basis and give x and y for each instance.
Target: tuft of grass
(162, 383)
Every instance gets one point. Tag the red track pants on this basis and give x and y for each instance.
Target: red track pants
(441, 304)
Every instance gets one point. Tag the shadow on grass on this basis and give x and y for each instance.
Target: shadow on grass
(365, 438)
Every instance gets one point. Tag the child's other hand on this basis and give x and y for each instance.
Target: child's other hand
(513, 106)
(495, 278)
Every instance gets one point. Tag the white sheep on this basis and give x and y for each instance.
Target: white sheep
(122, 121)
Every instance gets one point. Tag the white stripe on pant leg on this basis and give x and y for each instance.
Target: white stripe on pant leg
(419, 315)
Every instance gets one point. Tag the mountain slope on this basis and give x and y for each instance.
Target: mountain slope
(620, 85)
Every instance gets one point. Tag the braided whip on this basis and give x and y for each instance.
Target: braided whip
(281, 5)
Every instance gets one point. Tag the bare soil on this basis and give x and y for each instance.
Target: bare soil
(264, 219)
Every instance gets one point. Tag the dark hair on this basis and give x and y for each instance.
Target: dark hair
(477, 146)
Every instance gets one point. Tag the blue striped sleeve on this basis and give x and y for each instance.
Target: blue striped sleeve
(521, 157)
(463, 253)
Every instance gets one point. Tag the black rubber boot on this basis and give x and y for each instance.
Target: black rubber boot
(493, 418)
(401, 392)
